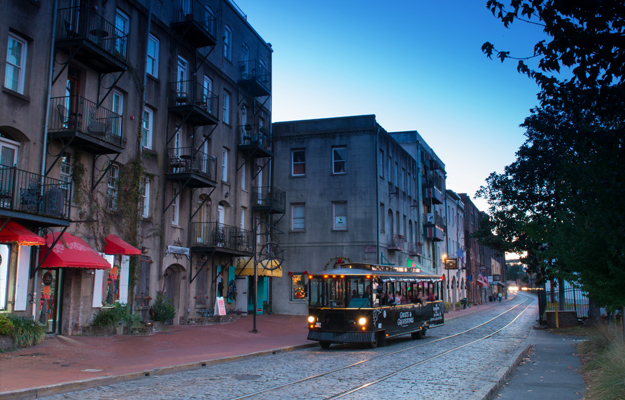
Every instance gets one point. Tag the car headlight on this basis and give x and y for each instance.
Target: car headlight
(362, 321)
(311, 319)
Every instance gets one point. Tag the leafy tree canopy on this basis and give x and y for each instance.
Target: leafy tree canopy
(563, 199)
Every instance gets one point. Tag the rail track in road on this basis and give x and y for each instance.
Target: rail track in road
(435, 349)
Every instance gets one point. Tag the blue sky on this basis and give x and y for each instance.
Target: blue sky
(416, 65)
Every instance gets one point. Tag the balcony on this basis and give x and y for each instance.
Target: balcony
(434, 233)
(28, 195)
(208, 236)
(433, 219)
(432, 194)
(196, 168)
(193, 22)
(93, 128)
(193, 102)
(255, 141)
(91, 39)
(269, 199)
(396, 242)
(415, 249)
(255, 78)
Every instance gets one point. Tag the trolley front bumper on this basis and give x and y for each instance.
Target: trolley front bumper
(342, 337)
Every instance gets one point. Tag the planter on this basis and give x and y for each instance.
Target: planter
(99, 330)
(6, 343)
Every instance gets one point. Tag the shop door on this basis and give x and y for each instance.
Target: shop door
(50, 299)
(240, 304)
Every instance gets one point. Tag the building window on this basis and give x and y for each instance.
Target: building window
(226, 116)
(298, 287)
(208, 94)
(409, 185)
(118, 108)
(66, 172)
(339, 160)
(148, 123)
(175, 209)
(298, 222)
(224, 165)
(243, 177)
(15, 64)
(390, 175)
(144, 199)
(395, 175)
(112, 186)
(339, 211)
(381, 164)
(298, 162)
(381, 217)
(403, 179)
(227, 43)
(151, 64)
(122, 25)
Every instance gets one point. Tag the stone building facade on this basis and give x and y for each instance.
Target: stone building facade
(146, 120)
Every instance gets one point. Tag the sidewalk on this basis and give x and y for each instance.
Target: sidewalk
(551, 370)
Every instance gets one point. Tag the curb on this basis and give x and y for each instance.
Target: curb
(37, 392)
(500, 377)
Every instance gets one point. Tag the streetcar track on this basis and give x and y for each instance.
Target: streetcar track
(312, 377)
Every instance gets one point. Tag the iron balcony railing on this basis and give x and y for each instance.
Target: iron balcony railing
(27, 192)
(255, 135)
(75, 113)
(193, 93)
(195, 10)
(396, 242)
(268, 197)
(187, 159)
(214, 234)
(255, 77)
(84, 23)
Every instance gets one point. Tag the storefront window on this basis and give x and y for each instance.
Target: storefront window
(298, 287)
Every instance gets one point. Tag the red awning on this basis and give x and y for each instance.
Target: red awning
(70, 252)
(115, 245)
(16, 233)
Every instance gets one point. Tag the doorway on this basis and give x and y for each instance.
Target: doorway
(51, 299)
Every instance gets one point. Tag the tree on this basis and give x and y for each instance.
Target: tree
(563, 199)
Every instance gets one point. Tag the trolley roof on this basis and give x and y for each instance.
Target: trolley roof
(377, 270)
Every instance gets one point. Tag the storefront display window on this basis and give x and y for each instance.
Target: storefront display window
(298, 287)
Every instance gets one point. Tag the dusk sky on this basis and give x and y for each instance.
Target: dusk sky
(416, 65)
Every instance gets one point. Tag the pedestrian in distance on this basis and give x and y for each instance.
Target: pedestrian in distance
(499, 296)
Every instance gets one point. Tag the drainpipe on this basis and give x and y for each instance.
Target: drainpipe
(45, 140)
(131, 291)
(377, 195)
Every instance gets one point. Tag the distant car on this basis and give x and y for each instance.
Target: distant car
(513, 288)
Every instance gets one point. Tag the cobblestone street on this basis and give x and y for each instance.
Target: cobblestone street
(466, 366)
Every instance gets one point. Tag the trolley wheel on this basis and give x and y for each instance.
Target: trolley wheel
(324, 345)
(381, 339)
(418, 334)
(374, 343)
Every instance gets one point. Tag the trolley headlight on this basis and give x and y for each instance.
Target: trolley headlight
(311, 319)
(362, 321)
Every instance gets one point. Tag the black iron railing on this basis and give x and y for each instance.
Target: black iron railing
(194, 10)
(269, 197)
(84, 23)
(27, 192)
(186, 160)
(193, 93)
(75, 113)
(255, 135)
(214, 234)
